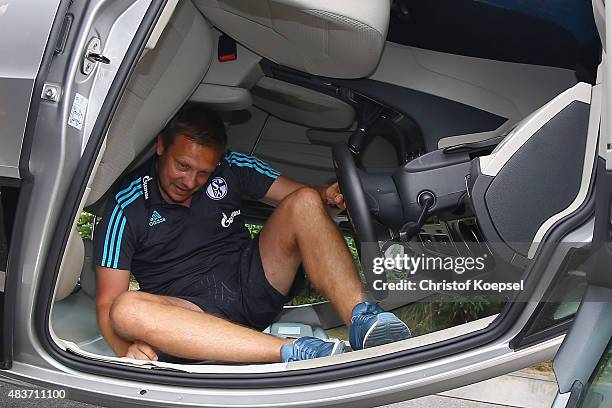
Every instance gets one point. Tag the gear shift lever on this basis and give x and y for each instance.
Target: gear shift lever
(426, 200)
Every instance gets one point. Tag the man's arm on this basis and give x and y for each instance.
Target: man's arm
(111, 284)
(283, 186)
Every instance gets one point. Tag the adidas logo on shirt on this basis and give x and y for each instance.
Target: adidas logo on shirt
(156, 218)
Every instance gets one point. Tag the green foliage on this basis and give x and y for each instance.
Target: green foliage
(254, 229)
(350, 242)
(443, 311)
(85, 225)
(308, 295)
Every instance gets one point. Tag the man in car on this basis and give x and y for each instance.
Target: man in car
(208, 289)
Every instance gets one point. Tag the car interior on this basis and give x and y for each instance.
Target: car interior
(427, 129)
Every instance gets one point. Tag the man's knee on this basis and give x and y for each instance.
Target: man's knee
(305, 200)
(127, 313)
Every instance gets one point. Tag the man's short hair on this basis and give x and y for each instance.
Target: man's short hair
(198, 123)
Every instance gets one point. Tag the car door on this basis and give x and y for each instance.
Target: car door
(526, 331)
(582, 365)
(19, 98)
(54, 73)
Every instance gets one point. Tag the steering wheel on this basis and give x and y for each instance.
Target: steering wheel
(355, 198)
(359, 214)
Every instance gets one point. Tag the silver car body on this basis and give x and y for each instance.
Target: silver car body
(53, 161)
(28, 27)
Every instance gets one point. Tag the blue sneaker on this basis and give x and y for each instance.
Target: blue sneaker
(371, 326)
(306, 348)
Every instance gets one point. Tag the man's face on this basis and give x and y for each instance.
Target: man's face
(184, 167)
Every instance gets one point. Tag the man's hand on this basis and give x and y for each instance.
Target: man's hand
(333, 196)
(141, 351)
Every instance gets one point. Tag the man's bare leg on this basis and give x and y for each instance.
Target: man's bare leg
(301, 231)
(179, 328)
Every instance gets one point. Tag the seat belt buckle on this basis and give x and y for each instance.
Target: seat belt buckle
(227, 49)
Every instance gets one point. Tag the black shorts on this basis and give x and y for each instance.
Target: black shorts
(241, 292)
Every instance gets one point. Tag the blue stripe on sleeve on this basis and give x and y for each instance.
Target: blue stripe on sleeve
(252, 159)
(119, 242)
(251, 165)
(108, 232)
(241, 160)
(119, 197)
(114, 223)
(128, 188)
(112, 241)
(114, 248)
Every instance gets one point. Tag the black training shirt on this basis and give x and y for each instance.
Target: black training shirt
(168, 246)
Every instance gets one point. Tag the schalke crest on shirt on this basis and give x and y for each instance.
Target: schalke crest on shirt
(217, 189)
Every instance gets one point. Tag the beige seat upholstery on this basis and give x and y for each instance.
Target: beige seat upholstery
(77, 264)
(71, 267)
(163, 81)
(336, 38)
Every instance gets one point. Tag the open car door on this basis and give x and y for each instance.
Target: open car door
(582, 365)
(48, 90)
(21, 86)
